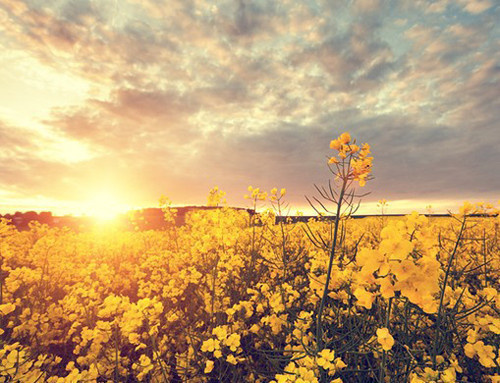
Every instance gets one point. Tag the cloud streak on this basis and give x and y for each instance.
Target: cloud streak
(184, 95)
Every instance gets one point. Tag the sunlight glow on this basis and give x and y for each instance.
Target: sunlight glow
(104, 206)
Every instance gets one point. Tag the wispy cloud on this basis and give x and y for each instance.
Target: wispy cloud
(178, 96)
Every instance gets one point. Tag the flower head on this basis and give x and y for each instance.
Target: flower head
(385, 338)
(351, 157)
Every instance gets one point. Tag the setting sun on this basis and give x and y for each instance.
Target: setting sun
(134, 248)
(104, 206)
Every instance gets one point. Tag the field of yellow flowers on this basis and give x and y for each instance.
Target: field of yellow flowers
(234, 297)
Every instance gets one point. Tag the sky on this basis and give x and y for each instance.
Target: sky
(111, 104)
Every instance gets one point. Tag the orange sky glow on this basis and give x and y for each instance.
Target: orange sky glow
(106, 106)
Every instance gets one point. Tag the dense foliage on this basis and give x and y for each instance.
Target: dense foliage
(234, 297)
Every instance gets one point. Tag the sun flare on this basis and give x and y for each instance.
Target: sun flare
(104, 206)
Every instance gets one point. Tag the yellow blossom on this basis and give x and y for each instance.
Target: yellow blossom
(364, 297)
(209, 366)
(385, 338)
(7, 308)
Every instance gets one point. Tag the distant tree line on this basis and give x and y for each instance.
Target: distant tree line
(22, 220)
(144, 219)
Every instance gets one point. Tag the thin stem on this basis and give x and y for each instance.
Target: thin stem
(319, 329)
(381, 375)
(156, 353)
(1, 278)
(484, 259)
(443, 288)
(117, 361)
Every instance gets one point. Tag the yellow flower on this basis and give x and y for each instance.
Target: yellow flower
(396, 248)
(489, 293)
(472, 336)
(449, 375)
(335, 144)
(209, 366)
(345, 138)
(231, 359)
(210, 345)
(326, 358)
(233, 342)
(7, 308)
(365, 150)
(416, 379)
(485, 353)
(469, 350)
(386, 287)
(495, 326)
(365, 299)
(385, 339)
(220, 332)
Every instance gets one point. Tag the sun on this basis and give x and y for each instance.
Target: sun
(104, 206)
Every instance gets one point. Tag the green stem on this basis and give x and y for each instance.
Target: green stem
(157, 353)
(443, 288)
(214, 279)
(319, 319)
(1, 278)
(117, 372)
(283, 246)
(381, 375)
(484, 260)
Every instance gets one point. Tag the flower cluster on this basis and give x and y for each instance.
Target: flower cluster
(235, 296)
(356, 159)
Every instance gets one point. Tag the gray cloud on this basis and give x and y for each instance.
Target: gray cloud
(22, 171)
(252, 93)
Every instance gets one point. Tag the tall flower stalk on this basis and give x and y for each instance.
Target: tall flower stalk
(348, 165)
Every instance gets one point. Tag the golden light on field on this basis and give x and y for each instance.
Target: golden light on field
(363, 127)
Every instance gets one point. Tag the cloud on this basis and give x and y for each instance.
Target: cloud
(14, 144)
(23, 171)
(477, 6)
(186, 94)
(130, 121)
(437, 6)
(366, 5)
